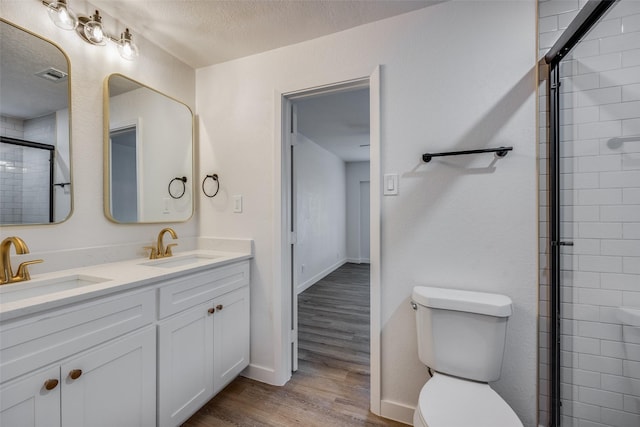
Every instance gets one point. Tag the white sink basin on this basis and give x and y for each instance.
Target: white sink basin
(629, 316)
(179, 261)
(35, 288)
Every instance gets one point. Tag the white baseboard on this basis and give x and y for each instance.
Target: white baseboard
(262, 374)
(397, 411)
(359, 260)
(310, 282)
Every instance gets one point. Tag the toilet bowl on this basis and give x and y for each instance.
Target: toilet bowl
(447, 401)
(461, 337)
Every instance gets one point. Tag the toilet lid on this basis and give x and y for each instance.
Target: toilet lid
(452, 402)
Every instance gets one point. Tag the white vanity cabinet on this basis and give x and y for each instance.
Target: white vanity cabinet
(202, 346)
(145, 356)
(92, 364)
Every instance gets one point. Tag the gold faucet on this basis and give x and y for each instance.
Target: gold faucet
(160, 251)
(6, 273)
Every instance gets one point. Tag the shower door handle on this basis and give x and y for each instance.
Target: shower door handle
(563, 243)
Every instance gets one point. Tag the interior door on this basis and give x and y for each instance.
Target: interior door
(292, 140)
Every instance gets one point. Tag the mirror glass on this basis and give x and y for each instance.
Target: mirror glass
(35, 142)
(148, 154)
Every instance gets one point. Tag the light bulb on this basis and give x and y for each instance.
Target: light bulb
(128, 50)
(61, 15)
(93, 30)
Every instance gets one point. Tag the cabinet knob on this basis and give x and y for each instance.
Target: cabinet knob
(75, 374)
(211, 310)
(219, 307)
(50, 384)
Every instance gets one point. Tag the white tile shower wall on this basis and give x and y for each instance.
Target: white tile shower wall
(601, 186)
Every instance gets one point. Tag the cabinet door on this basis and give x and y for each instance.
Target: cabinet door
(112, 385)
(231, 336)
(185, 364)
(28, 402)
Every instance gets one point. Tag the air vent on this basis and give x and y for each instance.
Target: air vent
(53, 75)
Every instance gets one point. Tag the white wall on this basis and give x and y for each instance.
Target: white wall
(90, 65)
(320, 188)
(455, 75)
(357, 172)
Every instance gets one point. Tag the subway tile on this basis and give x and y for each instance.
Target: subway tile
(620, 418)
(585, 48)
(631, 22)
(578, 115)
(618, 180)
(623, 8)
(621, 282)
(631, 299)
(631, 58)
(631, 265)
(580, 279)
(547, 40)
(599, 230)
(631, 92)
(620, 43)
(631, 369)
(609, 315)
(548, 24)
(586, 423)
(600, 163)
(585, 411)
(623, 76)
(578, 83)
(620, 384)
(580, 213)
(599, 297)
(631, 230)
(620, 213)
(605, 29)
(581, 312)
(557, 7)
(601, 96)
(631, 127)
(599, 397)
(599, 63)
(632, 404)
(605, 129)
(604, 196)
(631, 161)
(621, 350)
(621, 111)
(564, 19)
(589, 147)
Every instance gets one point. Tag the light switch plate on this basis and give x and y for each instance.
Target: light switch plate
(237, 204)
(390, 184)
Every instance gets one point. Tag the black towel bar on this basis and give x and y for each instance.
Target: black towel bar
(500, 152)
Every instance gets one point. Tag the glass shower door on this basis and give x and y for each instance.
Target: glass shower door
(599, 167)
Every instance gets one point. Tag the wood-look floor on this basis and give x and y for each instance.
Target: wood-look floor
(331, 386)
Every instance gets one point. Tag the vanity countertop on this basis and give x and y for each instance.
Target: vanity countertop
(52, 290)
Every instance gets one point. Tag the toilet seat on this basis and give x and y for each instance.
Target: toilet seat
(447, 401)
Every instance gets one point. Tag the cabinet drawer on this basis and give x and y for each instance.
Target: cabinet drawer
(28, 344)
(180, 294)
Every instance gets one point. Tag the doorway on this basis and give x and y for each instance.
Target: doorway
(290, 236)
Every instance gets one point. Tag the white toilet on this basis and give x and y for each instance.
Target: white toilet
(461, 337)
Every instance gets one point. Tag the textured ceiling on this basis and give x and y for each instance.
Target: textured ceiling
(206, 32)
(338, 122)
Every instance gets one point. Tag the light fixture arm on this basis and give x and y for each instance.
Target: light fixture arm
(89, 28)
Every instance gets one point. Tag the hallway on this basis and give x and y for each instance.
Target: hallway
(331, 386)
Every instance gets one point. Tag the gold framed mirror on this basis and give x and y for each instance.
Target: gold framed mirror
(35, 129)
(148, 154)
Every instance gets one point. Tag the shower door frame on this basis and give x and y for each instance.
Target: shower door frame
(588, 16)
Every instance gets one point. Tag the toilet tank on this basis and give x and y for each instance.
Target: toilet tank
(461, 333)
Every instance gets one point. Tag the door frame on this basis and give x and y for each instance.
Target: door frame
(283, 307)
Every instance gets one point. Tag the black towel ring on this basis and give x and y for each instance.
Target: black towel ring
(215, 178)
(183, 180)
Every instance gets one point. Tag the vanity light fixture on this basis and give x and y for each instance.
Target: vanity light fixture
(61, 15)
(89, 28)
(92, 31)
